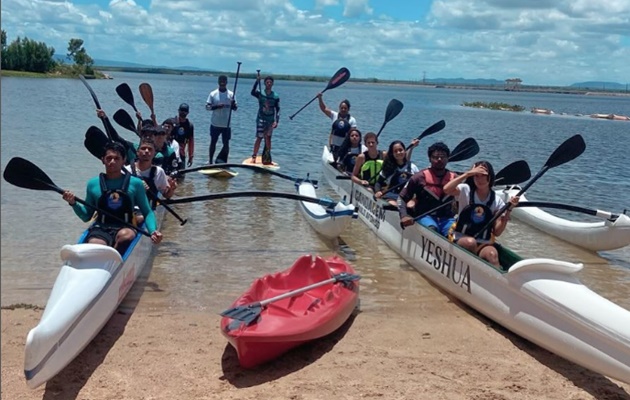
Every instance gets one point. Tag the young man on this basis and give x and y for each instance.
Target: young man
(221, 102)
(267, 118)
(368, 164)
(184, 134)
(165, 155)
(427, 186)
(116, 193)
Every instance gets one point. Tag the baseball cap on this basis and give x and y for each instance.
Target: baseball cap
(184, 107)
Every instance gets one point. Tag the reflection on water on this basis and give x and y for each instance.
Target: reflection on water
(226, 244)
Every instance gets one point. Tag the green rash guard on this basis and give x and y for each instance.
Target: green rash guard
(136, 192)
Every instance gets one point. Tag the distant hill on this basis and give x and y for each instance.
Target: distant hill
(600, 85)
(122, 64)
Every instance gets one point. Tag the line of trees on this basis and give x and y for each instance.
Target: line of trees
(31, 56)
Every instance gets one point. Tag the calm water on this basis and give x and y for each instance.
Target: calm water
(228, 243)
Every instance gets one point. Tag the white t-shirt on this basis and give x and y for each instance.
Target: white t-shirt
(220, 115)
(175, 146)
(161, 183)
(464, 197)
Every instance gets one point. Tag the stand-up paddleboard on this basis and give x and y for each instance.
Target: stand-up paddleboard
(273, 166)
(219, 173)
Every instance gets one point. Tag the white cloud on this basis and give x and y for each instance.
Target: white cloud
(540, 41)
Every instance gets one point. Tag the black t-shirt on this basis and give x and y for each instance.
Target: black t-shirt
(183, 131)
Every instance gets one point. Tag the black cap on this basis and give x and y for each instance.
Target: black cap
(184, 107)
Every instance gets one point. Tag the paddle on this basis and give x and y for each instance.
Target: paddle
(393, 109)
(125, 93)
(567, 151)
(340, 77)
(438, 126)
(512, 174)
(146, 91)
(23, 173)
(254, 193)
(123, 119)
(466, 149)
(238, 69)
(248, 313)
(95, 141)
(596, 213)
(252, 167)
(259, 84)
(96, 102)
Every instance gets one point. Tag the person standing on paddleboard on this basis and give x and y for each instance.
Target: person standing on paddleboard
(184, 133)
(220, 101)
(267, 118)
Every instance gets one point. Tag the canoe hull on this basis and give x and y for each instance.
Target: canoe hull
(594, 236)
(329, 223)
(92, 282)
(290, 322)
(541, 300)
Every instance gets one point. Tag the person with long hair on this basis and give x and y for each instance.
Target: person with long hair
(348, 158)
(343, 122)
(397, 170)
(477, 206)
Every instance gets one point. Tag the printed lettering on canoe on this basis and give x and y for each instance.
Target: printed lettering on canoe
(446, 263)
(127, 282)
(369, 208)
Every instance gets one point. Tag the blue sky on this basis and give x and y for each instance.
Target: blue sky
(552, 42)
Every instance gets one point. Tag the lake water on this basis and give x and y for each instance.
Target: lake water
(227, 243)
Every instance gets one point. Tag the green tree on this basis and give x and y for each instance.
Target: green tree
(78, 54)
(27, 55)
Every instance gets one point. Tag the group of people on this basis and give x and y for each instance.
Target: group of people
(460, 207)
(221, 102)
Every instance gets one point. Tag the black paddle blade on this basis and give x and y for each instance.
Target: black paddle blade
(23, 173)
(340, 77)
(123, 119)
(438, 126)
(95, 141)
(567, 151)
(125, 93)
(513, 174)
(467, 149)
(393, 109)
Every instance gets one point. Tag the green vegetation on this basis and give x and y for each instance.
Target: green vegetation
(26, 57)
(22, 306)
(494, 106)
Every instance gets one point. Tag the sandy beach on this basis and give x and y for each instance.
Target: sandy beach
(429, 348)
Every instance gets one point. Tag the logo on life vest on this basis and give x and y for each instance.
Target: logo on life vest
(114, 202)
(479, 215)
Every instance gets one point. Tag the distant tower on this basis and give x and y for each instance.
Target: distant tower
(424, 77)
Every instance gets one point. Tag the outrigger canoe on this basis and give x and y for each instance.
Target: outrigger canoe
(92, 282)
(595, 236)
(539, 299)
(284, 310)
(328, 222)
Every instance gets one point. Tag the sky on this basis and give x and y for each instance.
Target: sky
(542, 42)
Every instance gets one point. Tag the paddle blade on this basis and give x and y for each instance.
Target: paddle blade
(513, 174)
(95, 141)
(466, 150)
(393, 109)
(147, 95)
(247, 314)
(567, 151)
(340, 77)
(438, 126)
(125, 93)
(23, 173)
(123, 119)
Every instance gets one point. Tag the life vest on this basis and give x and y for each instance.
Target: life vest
(152, 192)
(473, 218)
(116, 202)
(436, 184)
(341, 127)
(371, 167)
(350, 158)
(432, 196)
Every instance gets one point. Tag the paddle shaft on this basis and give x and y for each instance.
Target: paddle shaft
(596, 213)
(252, 167)
(229, 195)
(238, 69)
(259, 84)
(96, 102)
(341, 76)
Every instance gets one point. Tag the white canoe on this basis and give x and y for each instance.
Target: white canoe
(542, 300)
(328, 222)
(92, 282)
(595, 236)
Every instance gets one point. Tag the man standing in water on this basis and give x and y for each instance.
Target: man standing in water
(221, 102)
(184, 134)
(267, 118)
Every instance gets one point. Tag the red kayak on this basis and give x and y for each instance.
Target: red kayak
(284, 310)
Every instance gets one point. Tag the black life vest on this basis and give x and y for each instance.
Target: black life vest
(341, 126)
(116, 202)
(473, 218)
(152, 192)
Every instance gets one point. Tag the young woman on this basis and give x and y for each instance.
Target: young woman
(355, 147)
(477, 206)
(342, 124)
(397, 170)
